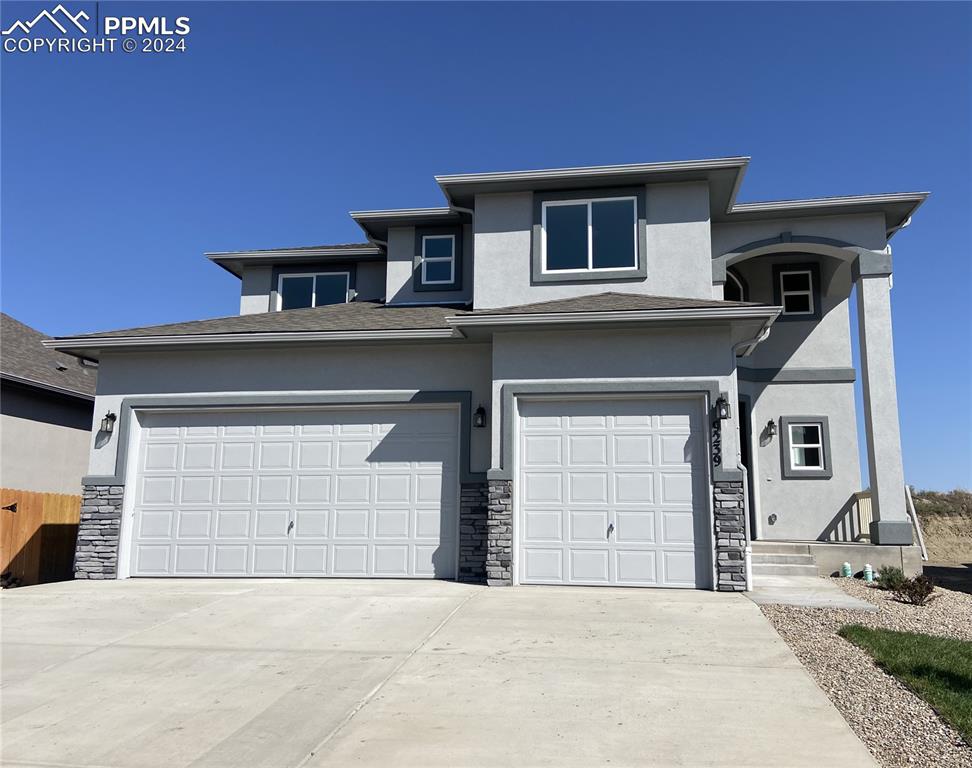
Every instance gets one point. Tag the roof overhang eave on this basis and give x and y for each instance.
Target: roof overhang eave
(91, 346)
(66, 392)
(615, 317)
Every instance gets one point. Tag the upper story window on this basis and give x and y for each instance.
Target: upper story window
(438, 260)
(734, 288)
(596, 236)
(590, 235)
(796, 288)
(796, 292)
(312, 289)
(437, 264)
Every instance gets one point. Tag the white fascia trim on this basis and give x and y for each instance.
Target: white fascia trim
(362, 251)
(594, 170)
(817, 202)
(614, 316)
(248, 338)
(400, 213)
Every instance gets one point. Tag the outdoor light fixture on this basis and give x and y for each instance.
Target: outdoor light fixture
(723, 411)
(108, 423)
(479, 417)
(771, 428)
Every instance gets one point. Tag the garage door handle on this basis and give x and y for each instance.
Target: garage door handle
(610, 529)
(290, 526)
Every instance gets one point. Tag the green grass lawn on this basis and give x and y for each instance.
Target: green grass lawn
(938, 669)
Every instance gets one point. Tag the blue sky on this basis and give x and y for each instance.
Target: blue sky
(119, 171)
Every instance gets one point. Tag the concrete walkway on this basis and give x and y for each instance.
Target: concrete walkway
(806, 592)
(393, 673)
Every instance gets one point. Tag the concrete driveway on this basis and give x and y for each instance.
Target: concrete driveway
(393, 673)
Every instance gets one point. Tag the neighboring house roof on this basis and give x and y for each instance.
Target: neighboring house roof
(25, 360)
(235, 261)
(365, 320)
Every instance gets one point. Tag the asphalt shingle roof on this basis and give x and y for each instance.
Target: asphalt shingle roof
(375, 316)
(23, 356)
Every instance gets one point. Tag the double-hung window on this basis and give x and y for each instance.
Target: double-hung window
(806, 446)
(438, 259)
(583, 236)
(796, 291)
(297, 291)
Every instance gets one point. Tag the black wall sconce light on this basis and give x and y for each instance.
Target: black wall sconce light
(722, 409)
(771, 428)
(108, 423)
(479, 417)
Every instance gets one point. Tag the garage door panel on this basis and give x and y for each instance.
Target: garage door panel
(637, 567)
(621, 479)
(543, 565)
(590, 565)
(343, 492)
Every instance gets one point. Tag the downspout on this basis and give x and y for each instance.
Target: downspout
(750, 344)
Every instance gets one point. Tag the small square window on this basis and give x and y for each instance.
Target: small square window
(806, 447)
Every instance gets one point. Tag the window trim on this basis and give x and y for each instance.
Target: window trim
(808, 292)
(286, 275)
(589, 203)
(638, 273)
(811, 268)
(792, 472)
(731, 274)
(438, 259)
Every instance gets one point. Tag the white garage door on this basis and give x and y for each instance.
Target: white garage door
(612, 492)
(340, 492)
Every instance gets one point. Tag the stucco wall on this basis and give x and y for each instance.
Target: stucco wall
(401, 259)
(804, 508)
(43, 442)
(322, 369)
(823, 343)
(255, 287)
(677, 253)
(674, 354)
(865, 230)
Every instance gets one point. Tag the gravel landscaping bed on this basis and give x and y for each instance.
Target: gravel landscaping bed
(899, 728)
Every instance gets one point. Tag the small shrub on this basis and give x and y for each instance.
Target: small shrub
(917, 591)
(890, 577)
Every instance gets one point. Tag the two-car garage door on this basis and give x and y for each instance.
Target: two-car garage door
(335, 492)
(612, 492)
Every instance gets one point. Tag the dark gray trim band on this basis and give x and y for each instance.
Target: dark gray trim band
(787, 471)
(215, 402)
(638, 272)
(709, 388)
(797, 375)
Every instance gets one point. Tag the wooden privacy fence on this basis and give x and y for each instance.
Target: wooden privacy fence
(37, 540)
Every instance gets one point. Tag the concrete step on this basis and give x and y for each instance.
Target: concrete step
(780, 548)
(778, 569)
(779, 558)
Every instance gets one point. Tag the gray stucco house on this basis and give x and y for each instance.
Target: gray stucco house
(603, 375)
(46, 402)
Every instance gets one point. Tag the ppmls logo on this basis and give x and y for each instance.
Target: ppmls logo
(55, 17)
(60, 31)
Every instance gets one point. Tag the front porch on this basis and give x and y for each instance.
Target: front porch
(825, 558)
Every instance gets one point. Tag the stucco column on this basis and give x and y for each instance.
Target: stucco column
(891, 522)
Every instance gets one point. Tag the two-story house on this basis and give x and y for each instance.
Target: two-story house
(609, 375)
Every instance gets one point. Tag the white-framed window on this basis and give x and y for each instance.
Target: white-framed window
(796, 291)
(806, 447)
(438, 259)
(733, 289)
(593, 235)
(312, 289)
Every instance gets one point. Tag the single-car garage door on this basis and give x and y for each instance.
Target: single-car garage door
(612, 492)
(339, 492)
